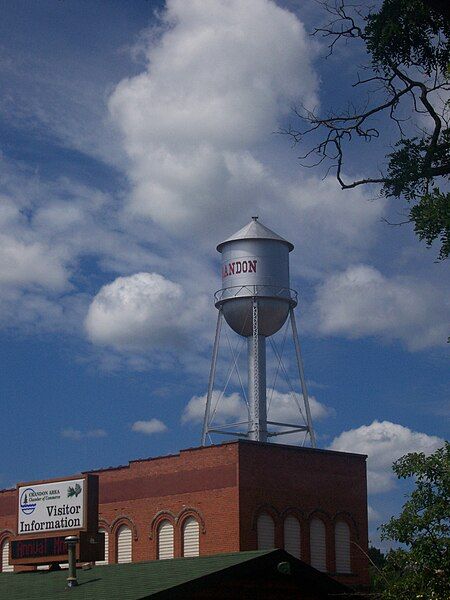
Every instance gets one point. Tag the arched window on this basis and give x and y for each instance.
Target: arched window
(317, 537)
(266, 532)
(124, 544)
(292, 536)
(6, 567)
(191, 537)
(105, 561)
(342, 546)
(165, 540)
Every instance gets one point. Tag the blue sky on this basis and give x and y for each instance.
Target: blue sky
(135, 136)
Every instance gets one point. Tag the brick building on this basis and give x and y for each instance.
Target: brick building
(232, 497)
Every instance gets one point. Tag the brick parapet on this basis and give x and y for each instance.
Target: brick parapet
(224, 487)
(311, 482)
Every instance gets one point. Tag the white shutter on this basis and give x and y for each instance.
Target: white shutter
(6, 567)
(266, 532)
(165, 540)
(105, 561)
(318, 545)
(292, 536)
(124, 543)
(342, 546)
(191, 537)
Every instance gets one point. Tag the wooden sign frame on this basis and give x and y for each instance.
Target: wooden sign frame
(92, 543)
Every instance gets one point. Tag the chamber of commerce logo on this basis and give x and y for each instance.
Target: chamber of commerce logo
(74, 491)
(26, 506)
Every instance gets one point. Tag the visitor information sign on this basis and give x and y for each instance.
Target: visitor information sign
(51, 507)
(48, 511)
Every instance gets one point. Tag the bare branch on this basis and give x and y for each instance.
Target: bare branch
(395, 224)
(409, 75)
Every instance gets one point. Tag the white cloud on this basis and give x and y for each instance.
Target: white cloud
(232, 408)
(31, 264)
(46, 230)
(329, 226)
(61, 94)
(225, 408)
(194, 135)
(373, 514)
(197, 125)
(384, 442)
(26, 258)
(283, 407)
(360, 301)
(149, 427)
(143, 311)
(219, 75)
(217, 83)
(77, 434)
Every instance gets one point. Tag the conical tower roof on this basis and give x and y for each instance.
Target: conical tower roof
(255, 231)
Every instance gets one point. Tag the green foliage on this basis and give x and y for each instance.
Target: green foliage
(431, 218)
(377, 562)
(405, 169)
(410, 176)
(376, 557)
(421, 568)
(407, 79)
(409, 33)
(416, 164)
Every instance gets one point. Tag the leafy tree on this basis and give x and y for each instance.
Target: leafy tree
(377, 561)
(376, 557)
(420, 569)
(407, 78)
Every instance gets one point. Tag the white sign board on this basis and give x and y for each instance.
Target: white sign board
(51, 507)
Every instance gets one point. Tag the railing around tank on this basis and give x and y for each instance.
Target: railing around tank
(252, 291)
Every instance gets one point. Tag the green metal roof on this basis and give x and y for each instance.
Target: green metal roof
(132, 581)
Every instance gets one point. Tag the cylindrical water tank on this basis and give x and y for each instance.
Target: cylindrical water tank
(255, 264)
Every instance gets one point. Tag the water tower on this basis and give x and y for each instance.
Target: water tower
(255, 301)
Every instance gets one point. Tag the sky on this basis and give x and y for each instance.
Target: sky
(136, 136)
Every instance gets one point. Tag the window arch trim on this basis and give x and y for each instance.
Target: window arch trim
(6, 534)
(326, 522)
(162, 515)
(159, 538)
(292, 515)
(320, 514)
(293, 511)
(269, 509)
(182, 527)
(346, 557)
(191, 512)
(124, 520)
(5, 538)
(347, 518)
(263, 533)
(102, 524)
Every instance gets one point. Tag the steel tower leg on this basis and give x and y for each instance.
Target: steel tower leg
(257, 426)
(302, 378)
(212, 375)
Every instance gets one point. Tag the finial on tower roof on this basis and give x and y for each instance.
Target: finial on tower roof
(255, 218)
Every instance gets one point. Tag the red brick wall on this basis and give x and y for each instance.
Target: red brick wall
(224, 487)
(284, 480)
(198, 482)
